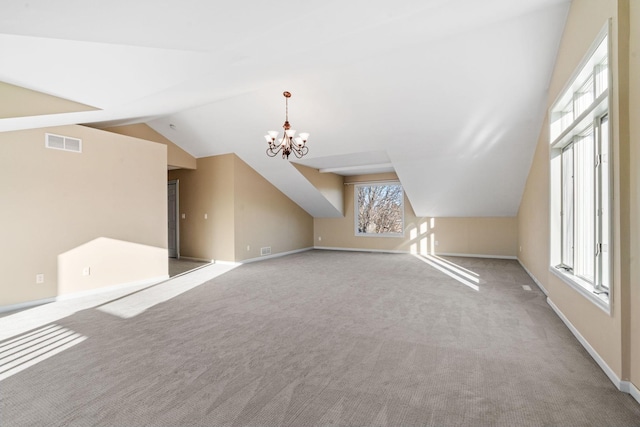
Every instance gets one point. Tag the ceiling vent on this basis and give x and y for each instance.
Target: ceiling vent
(66, 143)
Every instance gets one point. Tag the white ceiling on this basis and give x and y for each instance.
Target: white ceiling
(448, 93)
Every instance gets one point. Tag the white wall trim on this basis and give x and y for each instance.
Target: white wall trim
(394, 251)
(387, 251)
(620, 385)
(97, 291)
(80, 294)
(587, 292)
(188, 258)
(633, 390)
(542, 288)
(276, 255)
(221, 262)
(25, 305)
(477, 255)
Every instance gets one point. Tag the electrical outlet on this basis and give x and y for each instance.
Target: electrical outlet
(319, 238)
(436, 243)
(248, 248)
(40, 278)
(205, 216)
(86, 271)
(184, 216)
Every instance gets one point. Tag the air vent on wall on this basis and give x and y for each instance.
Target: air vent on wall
(265, 251)
(66, 143)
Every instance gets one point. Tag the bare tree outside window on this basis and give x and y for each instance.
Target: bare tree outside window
(380, 209)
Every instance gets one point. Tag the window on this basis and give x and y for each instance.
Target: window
(580, 179)
(379, 210)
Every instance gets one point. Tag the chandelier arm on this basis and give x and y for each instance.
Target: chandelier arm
(274, 149)
(299, 151)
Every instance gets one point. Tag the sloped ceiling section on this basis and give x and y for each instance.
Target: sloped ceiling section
(448, 93)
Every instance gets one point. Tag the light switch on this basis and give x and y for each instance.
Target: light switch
(184, 216)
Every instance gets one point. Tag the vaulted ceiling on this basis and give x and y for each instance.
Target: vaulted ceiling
(449, 94)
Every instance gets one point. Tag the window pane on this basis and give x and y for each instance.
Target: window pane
(584, 177)
(583, 98)
(604, 202)
(380, 209)
(567, 206)
(566, 116)
(602, 75)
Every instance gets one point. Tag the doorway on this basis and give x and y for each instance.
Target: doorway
(172, 219)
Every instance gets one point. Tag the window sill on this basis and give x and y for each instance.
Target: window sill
(379, 235)
(584, 288)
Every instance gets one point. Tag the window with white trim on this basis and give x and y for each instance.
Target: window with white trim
(379, 209)
(580, 179)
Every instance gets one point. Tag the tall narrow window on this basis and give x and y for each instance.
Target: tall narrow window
(580, 178)
(379, 210)
(603, 204)
(584, 207)
(567, 207)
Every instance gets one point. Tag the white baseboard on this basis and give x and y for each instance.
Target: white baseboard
(633, 391)
(623, 386)
(80, 294)
(620, 385)
(278, 255)
(476, 255)
(393, 251)
(119, 286)
(542, 288)
(188, 258)
(385, 251)
(218, 261)
(25, 305)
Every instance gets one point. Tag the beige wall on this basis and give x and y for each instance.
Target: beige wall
(20, 102)
(208, 190)
(461, 236)
(606, 334)
(243, 211)
(63, 212)
(265, 217)
(634, 121)
(176, 156)
(330, 185)
(533, 215)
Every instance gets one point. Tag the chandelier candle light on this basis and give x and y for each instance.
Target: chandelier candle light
(289, 143)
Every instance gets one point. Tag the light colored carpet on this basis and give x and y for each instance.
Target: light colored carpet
(327, 338)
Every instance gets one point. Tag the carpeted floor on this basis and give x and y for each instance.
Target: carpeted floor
(326, 338)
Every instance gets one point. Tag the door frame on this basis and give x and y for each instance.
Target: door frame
(177, 224)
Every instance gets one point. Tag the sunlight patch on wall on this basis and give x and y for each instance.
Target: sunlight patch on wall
(422, 237)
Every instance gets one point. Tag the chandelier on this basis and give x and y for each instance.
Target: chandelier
(288, 143)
